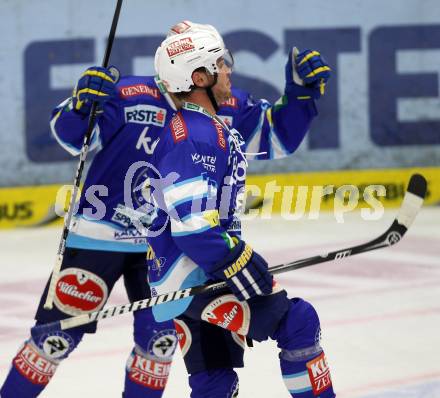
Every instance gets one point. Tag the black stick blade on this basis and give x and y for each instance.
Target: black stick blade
(417, 185)
(413, 200)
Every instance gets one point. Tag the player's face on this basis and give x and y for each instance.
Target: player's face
(222, 90)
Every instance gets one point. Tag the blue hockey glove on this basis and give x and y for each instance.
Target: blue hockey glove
(306, 74)
(96, 84)
(245, 272)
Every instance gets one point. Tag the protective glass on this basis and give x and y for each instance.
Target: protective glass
(227, 60)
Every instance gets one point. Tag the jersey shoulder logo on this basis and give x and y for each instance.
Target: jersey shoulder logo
(179, 131)
(221, 141)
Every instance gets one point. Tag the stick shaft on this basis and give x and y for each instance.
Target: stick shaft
(82, 159)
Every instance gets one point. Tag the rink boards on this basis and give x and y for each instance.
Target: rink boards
(294, 195)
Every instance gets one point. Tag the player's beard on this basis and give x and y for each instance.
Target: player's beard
(222, 92)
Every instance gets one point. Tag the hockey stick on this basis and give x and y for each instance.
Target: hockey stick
(412, 202)
(82, 159)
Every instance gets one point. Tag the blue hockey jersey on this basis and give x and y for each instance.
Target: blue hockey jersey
(125, 137)
(198, 178)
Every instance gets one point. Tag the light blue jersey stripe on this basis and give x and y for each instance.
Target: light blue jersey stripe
(295, 375)
(82, 242)
(173, 309)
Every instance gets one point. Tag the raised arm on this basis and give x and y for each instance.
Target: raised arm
(69, 120)
(276, 130)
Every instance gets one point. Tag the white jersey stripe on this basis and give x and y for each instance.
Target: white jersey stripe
(298, 382)
(185, 191)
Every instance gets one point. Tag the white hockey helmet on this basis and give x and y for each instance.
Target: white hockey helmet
(181, 54)
(188, 26)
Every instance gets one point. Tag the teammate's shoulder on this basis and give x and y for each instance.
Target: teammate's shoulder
(239, 93)
(235, 104)
(237, 99)
(132, 87)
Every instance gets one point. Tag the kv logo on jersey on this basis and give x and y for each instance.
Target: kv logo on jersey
(319, 374)
(146, 142)
(145, 114)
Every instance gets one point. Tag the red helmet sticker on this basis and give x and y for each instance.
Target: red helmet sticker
(180, 46)
(229, 313)
(181, 27)
(183, 335)
(79, 291)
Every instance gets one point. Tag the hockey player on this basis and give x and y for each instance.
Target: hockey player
(198, 213)
(103, 243)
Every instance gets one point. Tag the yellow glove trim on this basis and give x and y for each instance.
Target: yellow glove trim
(99, 74)
(90, 91)
(322, 87)
(79, 103)
(308, 56)
(318, 70)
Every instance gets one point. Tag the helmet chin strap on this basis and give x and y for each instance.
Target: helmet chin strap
(211, 94)
(208, 90)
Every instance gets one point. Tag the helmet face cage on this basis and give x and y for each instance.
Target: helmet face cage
(181, 54)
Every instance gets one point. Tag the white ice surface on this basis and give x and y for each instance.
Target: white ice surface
(380, 312)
